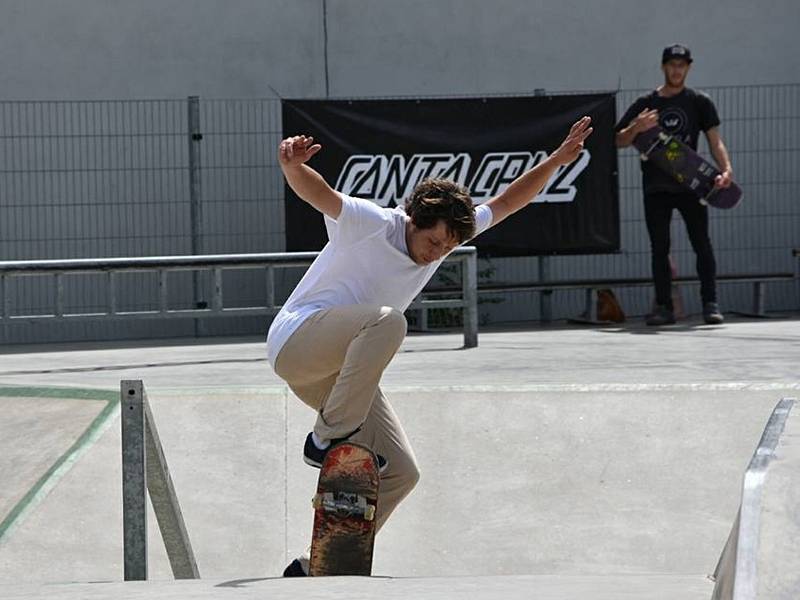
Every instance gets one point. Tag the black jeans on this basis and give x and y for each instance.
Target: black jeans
(658, 215)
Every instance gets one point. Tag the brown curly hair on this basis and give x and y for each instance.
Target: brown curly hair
(435, 200)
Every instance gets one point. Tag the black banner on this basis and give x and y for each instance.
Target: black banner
(380, 149)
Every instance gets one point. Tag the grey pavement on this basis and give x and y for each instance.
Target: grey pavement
(553, 457)
(762, 351)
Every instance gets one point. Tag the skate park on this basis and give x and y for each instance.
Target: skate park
(545, 470)
(561, 455)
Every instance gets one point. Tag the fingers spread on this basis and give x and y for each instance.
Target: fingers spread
(580, 125)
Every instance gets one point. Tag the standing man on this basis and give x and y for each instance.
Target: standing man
(682, 112)
(344, 322)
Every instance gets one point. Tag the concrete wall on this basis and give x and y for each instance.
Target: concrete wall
(92, 49)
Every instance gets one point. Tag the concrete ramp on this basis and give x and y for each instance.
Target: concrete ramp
(760, 559)
(548, 481)
(539, 587)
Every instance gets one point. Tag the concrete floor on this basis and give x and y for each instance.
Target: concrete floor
(546, 454)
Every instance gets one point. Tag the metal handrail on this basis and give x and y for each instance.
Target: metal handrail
(216, 263)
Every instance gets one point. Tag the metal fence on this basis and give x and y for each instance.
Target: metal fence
(760, 126)
(174, 177)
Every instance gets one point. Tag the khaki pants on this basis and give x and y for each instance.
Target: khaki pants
(333, 363)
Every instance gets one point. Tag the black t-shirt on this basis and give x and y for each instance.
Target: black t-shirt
(684, 115)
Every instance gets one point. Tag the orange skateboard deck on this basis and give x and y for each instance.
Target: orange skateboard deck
(344, 512)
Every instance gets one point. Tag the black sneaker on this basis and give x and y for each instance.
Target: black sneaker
(661, 316)
(295, 569)
(711, 314)
(314, 456)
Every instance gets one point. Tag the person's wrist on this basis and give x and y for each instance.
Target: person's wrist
(291, 167)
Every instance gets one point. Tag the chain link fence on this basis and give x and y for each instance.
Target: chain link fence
(174, 177)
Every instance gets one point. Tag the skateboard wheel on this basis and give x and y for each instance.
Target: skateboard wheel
(369, 512)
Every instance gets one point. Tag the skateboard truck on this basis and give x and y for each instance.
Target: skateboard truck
(344, 504)
(662, 138)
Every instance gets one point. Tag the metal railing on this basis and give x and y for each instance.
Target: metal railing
(162, 266)
(200, 176)
(736, 574)
(144, 470)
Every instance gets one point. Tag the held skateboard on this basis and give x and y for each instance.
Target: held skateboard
(687, 167)
(344, 512)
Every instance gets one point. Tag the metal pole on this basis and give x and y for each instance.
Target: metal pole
(3, 302)
(759, 299)
(165, 503)
(469, 282)
(134, 507)
(195, 202)
(546, 296)
(112, 292)
(144, 469)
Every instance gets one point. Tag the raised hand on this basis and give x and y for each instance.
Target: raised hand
(573, 144)
(296, 150)
(647, 119)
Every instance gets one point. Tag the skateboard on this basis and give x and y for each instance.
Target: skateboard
(344, 512)
(687, 167)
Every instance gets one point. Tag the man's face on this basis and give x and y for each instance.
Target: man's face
(429, 245)
(675, 71)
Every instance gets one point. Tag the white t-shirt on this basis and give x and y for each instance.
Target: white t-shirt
(365, 262)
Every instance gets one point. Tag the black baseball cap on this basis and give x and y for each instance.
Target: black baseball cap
(676, 51)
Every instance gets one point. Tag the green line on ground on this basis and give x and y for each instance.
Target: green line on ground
(57, 392)
(45, 483)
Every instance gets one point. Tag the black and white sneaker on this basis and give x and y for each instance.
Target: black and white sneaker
(711, 314)
(314, 456)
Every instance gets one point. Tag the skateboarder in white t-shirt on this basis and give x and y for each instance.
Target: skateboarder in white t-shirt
(344, 322)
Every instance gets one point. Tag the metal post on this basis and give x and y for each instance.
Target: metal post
(469, 282)
(216, 300)
(112, 292)
(3, 298)
(59, 295)
(163, 291)
(546, 296)
(165, 504)
(144, 467)
(759, 298)
(589, 306)
(195, 202)
(270, 287)
(423, 318)
(134, 507)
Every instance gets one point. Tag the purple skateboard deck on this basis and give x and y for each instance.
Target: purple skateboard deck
(687, 167)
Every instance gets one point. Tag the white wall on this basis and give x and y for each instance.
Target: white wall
(90, 49)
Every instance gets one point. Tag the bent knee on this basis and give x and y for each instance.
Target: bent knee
(409, 476)
(393, 322)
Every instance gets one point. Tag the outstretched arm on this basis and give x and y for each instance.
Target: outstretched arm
(525, 187)
(720, 154)
(293, 153)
